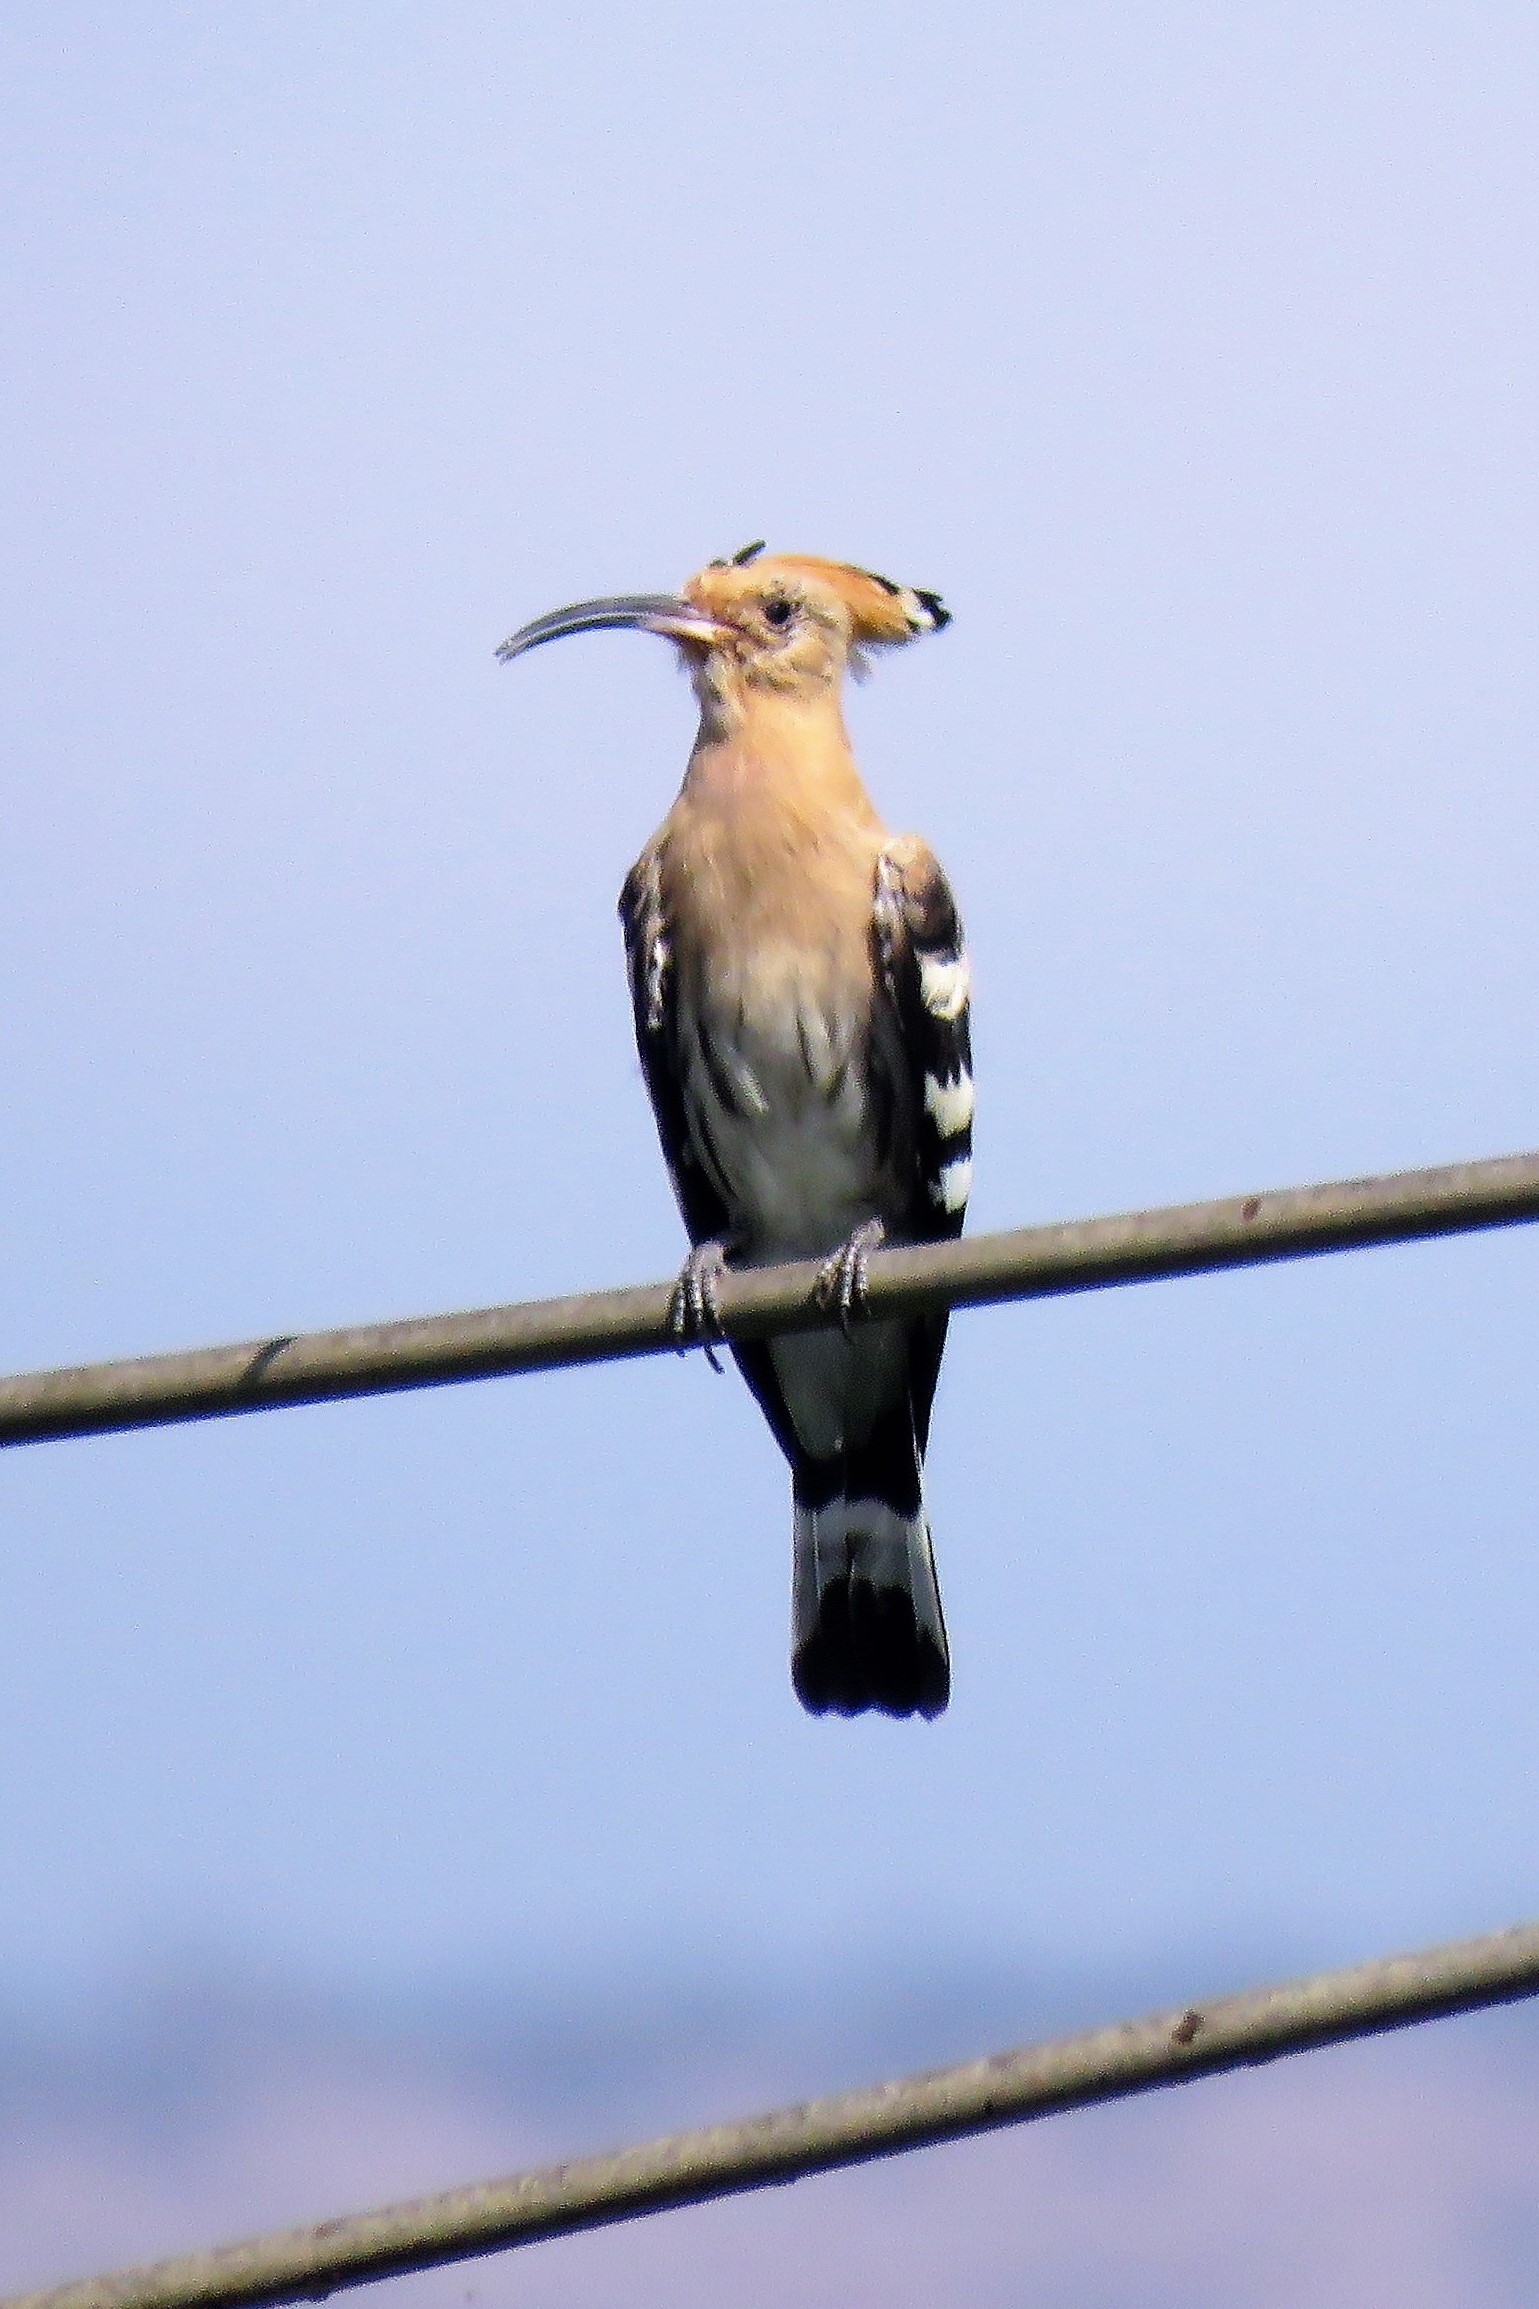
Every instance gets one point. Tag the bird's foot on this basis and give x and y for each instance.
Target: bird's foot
(842, 1280)
(694, 1313)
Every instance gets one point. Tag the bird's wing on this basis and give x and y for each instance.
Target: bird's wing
(922, 962)
(654, 1006)
(924, 969)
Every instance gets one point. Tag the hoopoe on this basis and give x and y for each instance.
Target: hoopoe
(800, 989)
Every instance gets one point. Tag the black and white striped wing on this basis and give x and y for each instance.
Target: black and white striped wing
(924, 967)
(922, 959)
(649, 956)
(654, 1006)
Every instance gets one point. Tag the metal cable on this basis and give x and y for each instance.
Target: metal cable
(543, 1334)
(1103, 2064)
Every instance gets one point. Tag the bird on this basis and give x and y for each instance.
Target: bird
(801, 996)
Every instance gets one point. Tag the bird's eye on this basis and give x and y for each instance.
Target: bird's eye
(779, 611)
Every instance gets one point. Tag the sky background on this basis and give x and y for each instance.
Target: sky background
(1192, 352)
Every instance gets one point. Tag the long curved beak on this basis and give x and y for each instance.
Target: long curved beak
(665, 613)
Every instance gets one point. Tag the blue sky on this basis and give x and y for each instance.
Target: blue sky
(1191, 353)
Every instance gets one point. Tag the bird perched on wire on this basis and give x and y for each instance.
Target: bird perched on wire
(800, 990)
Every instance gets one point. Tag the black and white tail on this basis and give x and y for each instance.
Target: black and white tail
(866, 1624)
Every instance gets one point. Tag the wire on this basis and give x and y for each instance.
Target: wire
(545, 1334)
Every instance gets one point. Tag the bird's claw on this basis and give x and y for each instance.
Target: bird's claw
(842, 1280)
(694, 1312)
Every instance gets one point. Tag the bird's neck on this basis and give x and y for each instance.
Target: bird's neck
(776, 748)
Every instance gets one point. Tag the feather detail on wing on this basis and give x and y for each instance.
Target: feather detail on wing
(649, 955)
(654, 1007)
(922, 961)
(924, 968)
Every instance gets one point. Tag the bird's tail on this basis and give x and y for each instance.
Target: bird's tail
(866, 1623)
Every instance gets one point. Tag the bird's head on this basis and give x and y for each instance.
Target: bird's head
(783, 622)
